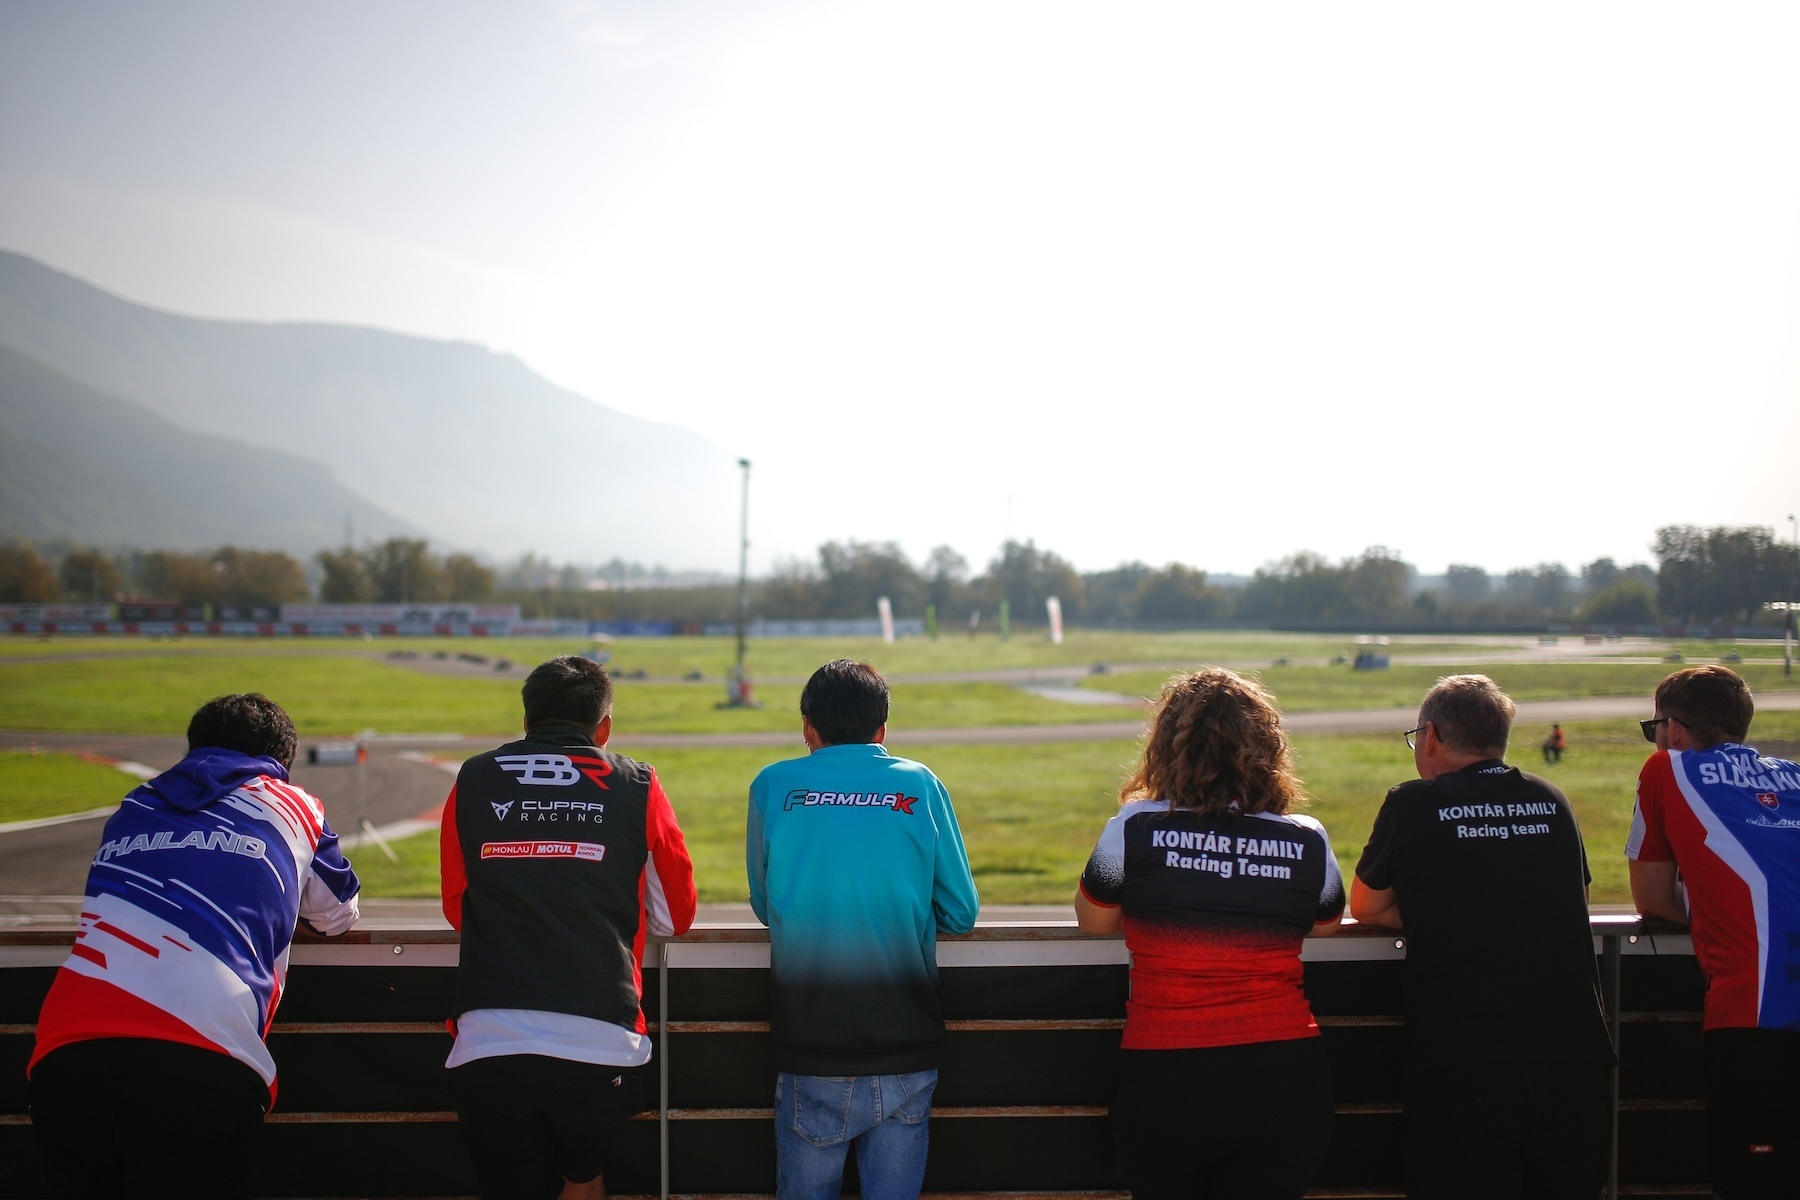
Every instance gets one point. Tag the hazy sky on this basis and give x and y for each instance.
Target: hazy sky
(1212, 283)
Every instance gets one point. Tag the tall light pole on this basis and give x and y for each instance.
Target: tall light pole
(743, 605)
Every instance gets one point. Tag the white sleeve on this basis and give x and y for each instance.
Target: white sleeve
(322, 910)
(657, 919)
(1331, 891)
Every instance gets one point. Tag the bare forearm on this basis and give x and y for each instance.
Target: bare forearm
(1374, 906)
(1656, 891)
(1096, 918)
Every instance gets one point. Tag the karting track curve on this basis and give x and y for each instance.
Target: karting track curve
(53, 859)
(406, 779)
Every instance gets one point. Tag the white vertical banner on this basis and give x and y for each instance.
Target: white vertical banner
(886, 609)
(1053, 607)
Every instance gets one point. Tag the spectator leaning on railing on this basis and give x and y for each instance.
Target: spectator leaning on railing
(856, 864)
(150, 1076)
(1224, 1089)
(558, 857)
(1508, 1079)
(1714, 815)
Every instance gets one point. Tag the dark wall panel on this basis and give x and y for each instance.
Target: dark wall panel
(1662, 1147)
(1368, 1062)
(15, 1052)
(22, 991)
(1047, 993)
(1365, 1152)
(20, 1173)
(362, 1072)
(316, 993)
(374, 1070)
(1660, 1060)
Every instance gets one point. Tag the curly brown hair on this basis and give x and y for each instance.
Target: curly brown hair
(1216, 746)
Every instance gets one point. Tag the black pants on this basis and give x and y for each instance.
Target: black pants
(1508, 1130)
(1224, 1122)
(141, 1135)
(1753, 1112)
(531, 1122)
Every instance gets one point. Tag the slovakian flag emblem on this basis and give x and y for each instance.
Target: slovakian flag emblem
(1768, 799)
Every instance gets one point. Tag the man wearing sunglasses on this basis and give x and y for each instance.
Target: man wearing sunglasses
(1508, 1072)
(1715, 844)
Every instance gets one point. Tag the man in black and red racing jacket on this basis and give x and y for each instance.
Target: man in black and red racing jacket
(558, 857)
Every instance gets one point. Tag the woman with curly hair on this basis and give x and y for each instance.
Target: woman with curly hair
(1223, 1087)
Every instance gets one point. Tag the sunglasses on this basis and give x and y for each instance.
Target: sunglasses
(1649, 727)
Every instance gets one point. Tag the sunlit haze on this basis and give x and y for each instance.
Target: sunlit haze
(1209, 283)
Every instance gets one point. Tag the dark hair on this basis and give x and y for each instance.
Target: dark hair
(567, 690)
(1471, 713)
(1713, 702)
(248, 722)
(847, 702)
(1216, 746)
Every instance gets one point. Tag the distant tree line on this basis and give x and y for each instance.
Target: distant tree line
(1376, 586)
(227, 577)
(848, 578)
(401, 571)
(1719, 574)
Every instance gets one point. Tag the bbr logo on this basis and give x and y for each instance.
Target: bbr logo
(545, 770)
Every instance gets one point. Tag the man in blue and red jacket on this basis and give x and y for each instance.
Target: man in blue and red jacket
(1715, 845)
(153, 1029)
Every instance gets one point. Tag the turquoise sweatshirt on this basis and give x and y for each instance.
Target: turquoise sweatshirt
(856, 864)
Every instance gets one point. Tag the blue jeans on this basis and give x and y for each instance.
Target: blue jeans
(819, 1117)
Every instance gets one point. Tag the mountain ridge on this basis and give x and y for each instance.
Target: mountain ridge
(81, 465)
(445, 435)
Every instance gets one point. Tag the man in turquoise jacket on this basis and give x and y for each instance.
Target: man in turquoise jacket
(855, 863)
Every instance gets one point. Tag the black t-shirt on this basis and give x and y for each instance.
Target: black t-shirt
(1489, 871)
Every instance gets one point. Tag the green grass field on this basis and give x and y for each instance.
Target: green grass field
(1325, 689)
(1750, 649)
(1030, 814)
(690, 708)
(333, 694)
(52, 785)
(797, 657)
(17, 646)
(779, 658)
(336, 696)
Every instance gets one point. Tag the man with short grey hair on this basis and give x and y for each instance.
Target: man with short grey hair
(1508, 1079)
